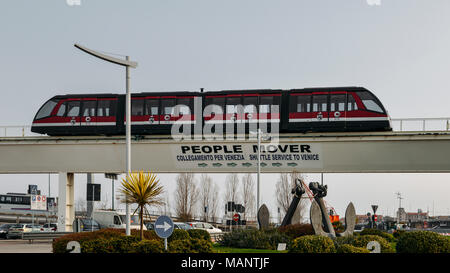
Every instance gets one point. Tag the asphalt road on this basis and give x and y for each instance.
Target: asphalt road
(23, 246)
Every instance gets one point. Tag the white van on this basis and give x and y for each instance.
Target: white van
(114, 219)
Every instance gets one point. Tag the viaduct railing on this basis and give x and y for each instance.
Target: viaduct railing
(398, 125)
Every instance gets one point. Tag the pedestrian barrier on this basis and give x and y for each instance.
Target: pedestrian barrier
(30, 236)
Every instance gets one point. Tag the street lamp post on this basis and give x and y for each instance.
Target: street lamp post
(127, 63)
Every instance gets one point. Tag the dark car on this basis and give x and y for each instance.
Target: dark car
(86, 225)
(150, 226)
(180, 225)
(4, 230)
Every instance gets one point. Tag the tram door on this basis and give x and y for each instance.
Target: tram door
(72, 112)
(319, 109)
(89, 114)
(337, 115)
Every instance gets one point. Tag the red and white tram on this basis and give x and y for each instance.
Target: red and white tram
(334, 109)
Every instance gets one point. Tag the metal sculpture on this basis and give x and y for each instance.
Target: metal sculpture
(320, 221)
(297, 191)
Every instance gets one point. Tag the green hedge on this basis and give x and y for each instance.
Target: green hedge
(297, 230)
(115, 241)
(59, 245)
(423, 242)
(122, 244)
(372, 231)
(252, 238)
(178, 234)
(363, 240)
(397, 233)
(199, 234)
(192, 245)
(345, 248)
(148, 246)
(312, 244)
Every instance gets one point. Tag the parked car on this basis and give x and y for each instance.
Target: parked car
(205, 226)
(17, 230)
(50, 227)
(359, 227)
(150, 226)
(181, 225)
(89, 225)
(4, 230)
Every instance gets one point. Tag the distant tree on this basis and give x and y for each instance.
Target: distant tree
(208, 198)
(232, 187)
(248, 195)
(81, 205)
(284, 186)
(186, 196)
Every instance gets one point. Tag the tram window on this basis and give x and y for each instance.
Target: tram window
(250, 104)
(167, 106)
(216, 101)
(46, 110)
(265, 102)
(8, 199)
(185, 104)
(106, 108)
(137, 107)
(370, 102)
(303, 103)
(319, 103)
(62, 110)
(232, 102)
(73, 108)
(337, 102)
(151, 107)
(351, 103)
(88, 108)
(2, 199)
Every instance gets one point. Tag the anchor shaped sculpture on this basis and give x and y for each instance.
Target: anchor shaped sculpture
(319, 216)
(297, 191)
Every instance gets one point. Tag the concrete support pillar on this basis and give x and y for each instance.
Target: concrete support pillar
(90, 203)
(66, 208)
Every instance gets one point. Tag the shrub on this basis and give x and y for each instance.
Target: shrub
(123, 244)
(397, 233)
(346, 248)
(148, 246)
(363, 240)
(99, 245)
(372, 231)
(148, 234)
(312, 244)
(59, 245)
(338, 227)
(199, 234)
(297, 230)
(423, 242)
(345, 240)
(191, 245)
(178, 234)
(252, 238)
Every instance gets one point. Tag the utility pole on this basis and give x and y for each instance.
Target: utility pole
(127, 63)
(399, 197)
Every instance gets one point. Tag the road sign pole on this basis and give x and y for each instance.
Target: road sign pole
(165, 243)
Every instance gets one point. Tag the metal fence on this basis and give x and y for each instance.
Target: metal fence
(398, 124)
(420, 124)
(16, 131)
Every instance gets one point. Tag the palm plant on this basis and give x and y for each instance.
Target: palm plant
(144, 190)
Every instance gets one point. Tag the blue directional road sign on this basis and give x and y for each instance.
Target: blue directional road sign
(164, 226)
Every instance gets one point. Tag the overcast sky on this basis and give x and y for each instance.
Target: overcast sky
(399, 50)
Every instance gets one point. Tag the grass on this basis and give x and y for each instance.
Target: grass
(223, 249)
